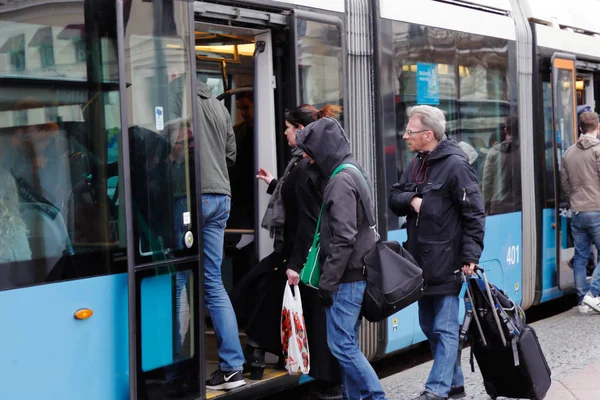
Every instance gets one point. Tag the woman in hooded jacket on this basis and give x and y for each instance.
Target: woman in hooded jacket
(291, 218)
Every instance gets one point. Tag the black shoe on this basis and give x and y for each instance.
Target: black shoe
(429, 396)
(255, 362)
(332, 393)
(457, 392)
(221, 380)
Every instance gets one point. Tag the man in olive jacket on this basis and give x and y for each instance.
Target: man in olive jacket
(345, 239)
(439, 195)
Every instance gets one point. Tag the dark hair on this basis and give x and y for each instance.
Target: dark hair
(305, 114)
(245, 95)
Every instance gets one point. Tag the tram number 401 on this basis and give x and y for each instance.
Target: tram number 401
(512, 255)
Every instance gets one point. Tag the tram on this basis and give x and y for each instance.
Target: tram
(98, 97)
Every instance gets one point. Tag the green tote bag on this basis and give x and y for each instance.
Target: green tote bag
(311, 271)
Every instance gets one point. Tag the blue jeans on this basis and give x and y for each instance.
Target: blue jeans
(586, 230)
(359, 380)
(438, 316)
(215, 211)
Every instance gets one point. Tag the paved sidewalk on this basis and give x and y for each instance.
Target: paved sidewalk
(571, 347)
(583, 385)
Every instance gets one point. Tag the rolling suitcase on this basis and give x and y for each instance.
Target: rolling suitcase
(507, 350)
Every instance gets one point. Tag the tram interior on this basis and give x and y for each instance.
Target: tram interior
(225, 62)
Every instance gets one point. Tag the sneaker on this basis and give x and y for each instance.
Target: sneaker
(221, 380)
(593, 302)
(583, 308)
(457, 393)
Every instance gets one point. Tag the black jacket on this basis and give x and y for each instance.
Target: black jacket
(449, 230)
(345, 233)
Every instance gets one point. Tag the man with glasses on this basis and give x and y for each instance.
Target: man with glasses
(439, 195)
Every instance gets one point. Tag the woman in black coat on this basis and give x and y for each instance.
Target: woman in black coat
(291, 218)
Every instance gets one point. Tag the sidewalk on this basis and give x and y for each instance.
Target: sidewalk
(583, 385)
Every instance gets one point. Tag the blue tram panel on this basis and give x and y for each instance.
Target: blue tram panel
(48, 354)
(501, 258)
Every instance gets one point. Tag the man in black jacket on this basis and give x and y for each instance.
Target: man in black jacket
(439, 195)
(345, 239)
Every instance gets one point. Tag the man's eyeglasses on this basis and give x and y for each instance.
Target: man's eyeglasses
(408, 132)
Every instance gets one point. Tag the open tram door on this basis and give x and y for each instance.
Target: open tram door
(564, 125)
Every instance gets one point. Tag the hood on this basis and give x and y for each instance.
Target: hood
(203, 90)
(586, 141)
(446, 148)
(469, 151)
(326, 143)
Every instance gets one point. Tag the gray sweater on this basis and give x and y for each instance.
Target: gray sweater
(217, 142)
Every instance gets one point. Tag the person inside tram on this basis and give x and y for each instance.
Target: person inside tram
(14, 245)
(38, 159)
(241, 175)
(501, 184)
(291, 218)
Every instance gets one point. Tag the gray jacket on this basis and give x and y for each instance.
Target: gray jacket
(217, 143)
(345, 233)
(581, 174)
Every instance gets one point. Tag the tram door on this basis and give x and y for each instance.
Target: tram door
(159, 192)
(564, 122)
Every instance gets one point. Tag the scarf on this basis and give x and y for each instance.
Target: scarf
(274, 218)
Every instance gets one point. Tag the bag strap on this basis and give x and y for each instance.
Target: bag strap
(334, 173)
(363, 193)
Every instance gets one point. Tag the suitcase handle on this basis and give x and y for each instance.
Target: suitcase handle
(478, 268)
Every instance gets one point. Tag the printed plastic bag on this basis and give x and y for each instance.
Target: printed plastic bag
(293, 333)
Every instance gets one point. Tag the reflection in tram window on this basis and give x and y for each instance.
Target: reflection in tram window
(320, 63)
(470, 78)
(59, 123)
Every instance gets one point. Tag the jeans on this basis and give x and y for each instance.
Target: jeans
(359, 380)
(586, 230)
(438, 316)
(215, 211)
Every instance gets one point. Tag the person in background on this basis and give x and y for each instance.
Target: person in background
(580, 177)
(345, 239)
(439, 194)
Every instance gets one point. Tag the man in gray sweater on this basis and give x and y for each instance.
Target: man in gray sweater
(217, 152)
(581, 183)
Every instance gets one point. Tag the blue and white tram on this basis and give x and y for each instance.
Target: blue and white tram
(104, 299)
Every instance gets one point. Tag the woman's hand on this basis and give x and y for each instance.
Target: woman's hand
(293, 277)
(264, 175)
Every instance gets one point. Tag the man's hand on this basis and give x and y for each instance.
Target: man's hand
(416, 204)
(326, 297)
(293, 277)
(469, 269)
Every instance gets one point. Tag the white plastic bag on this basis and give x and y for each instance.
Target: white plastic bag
(293, 333)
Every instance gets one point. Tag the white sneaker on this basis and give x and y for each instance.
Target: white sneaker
(593, 302)
(583, 308)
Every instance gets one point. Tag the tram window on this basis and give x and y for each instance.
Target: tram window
(319, 63)
(162, 151)
(469, 77)
(59, 123)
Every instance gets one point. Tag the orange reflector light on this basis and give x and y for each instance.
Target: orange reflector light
(83, 313)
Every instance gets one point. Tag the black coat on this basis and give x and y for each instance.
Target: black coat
(448, 231)
(258, 297)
